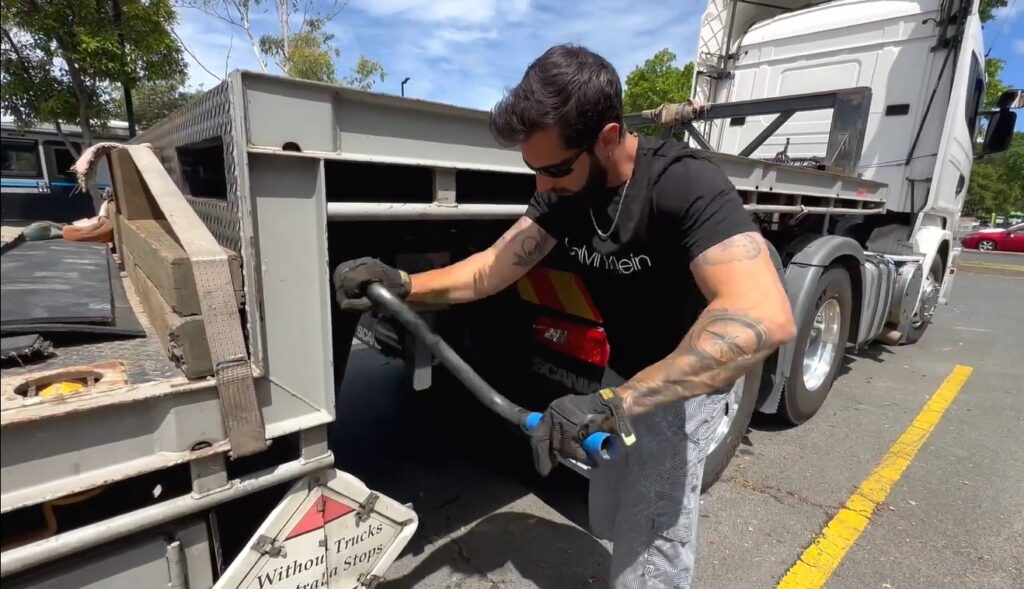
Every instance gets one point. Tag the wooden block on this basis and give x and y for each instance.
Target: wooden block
(115, 220)
(133, 199)
(166, 264)
(183, 338)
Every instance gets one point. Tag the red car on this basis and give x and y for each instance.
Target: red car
(991, 240)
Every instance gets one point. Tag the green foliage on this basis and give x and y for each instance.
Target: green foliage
(310, 54)
(987, 9)
(60, 57)
(997, 182)
(657, 82)
(365, 74)
(994, 85)
(155, 100)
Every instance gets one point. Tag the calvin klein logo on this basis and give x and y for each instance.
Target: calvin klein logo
(626, 264)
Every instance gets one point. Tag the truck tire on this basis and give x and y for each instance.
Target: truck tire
(724, 447)
(819, 347)
(929, 299)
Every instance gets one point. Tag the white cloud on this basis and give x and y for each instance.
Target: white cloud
(1018, 45)
(446, 11)
(466, 52)
(1008, 12)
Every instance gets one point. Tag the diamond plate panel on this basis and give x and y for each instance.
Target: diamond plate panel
(211, 116)
(206, 118)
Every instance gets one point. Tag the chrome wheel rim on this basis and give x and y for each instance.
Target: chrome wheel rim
(986, 246)
(929, 300)
(822, 344)
(732, 407)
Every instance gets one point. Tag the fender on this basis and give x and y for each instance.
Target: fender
(927, 242)
(808, 257)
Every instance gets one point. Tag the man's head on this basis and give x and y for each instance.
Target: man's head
(566, 118)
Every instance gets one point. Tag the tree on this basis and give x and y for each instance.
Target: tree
(994, 85)
(997, 182)
(365, 74)
(657, 82)
(156, 100)
(308, 52)
(988, 8)
(74, 50)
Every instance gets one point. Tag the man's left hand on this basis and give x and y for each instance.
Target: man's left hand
(569, 420)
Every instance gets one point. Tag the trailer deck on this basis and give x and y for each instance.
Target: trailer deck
(267, 186)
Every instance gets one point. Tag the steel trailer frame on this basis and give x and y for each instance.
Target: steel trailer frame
(273, 139)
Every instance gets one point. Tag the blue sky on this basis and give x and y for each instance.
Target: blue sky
(466, 52)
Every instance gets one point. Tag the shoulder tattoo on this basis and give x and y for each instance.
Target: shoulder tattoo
(738, 248)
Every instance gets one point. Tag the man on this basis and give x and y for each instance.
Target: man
(685, 284)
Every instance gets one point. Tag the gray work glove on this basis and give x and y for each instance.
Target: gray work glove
(351, 279)
(569, 420)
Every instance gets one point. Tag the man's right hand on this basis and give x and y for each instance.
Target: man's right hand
(351, 279)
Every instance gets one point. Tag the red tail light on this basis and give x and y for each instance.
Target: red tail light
(582, 342)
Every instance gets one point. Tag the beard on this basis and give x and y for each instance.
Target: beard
(596, 182)
(597, 178)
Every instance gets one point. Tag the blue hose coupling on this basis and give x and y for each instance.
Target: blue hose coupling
(598, 446)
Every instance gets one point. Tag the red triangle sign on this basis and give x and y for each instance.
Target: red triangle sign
(323, 511)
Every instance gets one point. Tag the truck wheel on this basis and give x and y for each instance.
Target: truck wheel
(726, 439)
(819, 347)
(929, 300)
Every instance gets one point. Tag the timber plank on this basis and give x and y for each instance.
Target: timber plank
(166, 265)
(183, 338)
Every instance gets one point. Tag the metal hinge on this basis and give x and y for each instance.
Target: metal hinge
(266, 545)
(369, 580)
(366, 507)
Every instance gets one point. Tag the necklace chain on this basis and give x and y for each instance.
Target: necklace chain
(622, 198)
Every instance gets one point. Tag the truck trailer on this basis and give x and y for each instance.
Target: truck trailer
(202, 459)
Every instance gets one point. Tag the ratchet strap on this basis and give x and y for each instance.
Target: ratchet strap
(243, 420)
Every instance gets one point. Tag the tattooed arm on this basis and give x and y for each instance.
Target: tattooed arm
(748, 316)
(487, 272)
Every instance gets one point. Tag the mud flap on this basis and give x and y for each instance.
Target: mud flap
(329, 531)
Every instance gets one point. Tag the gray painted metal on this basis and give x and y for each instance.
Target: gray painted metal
(172, 558)
(826, 249)
(808, 261)
(274, 213)
(396, 211)
(31, 555)
(846, 133)
(877, 275)
(909, 277)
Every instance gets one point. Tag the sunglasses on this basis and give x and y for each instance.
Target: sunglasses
(560, 169)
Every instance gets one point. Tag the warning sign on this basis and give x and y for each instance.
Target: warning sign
(326, 542)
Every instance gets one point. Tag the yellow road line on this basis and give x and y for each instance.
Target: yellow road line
(994, 266)
(823, 556)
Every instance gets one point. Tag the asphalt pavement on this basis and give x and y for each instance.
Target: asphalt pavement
(954, 519)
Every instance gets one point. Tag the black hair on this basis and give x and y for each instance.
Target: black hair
(568, 87)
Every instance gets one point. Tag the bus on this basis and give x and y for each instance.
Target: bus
(36, 180)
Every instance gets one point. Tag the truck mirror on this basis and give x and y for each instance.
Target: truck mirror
(999, 132)
(1011, 99)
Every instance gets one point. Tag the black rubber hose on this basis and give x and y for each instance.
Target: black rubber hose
(491, 398)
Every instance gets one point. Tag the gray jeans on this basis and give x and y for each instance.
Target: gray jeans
(646, 500)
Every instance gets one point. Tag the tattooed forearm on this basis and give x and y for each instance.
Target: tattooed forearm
(531, 248)
(720, 348)
(486, 272)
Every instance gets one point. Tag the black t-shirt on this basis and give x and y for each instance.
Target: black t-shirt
(677, 204)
